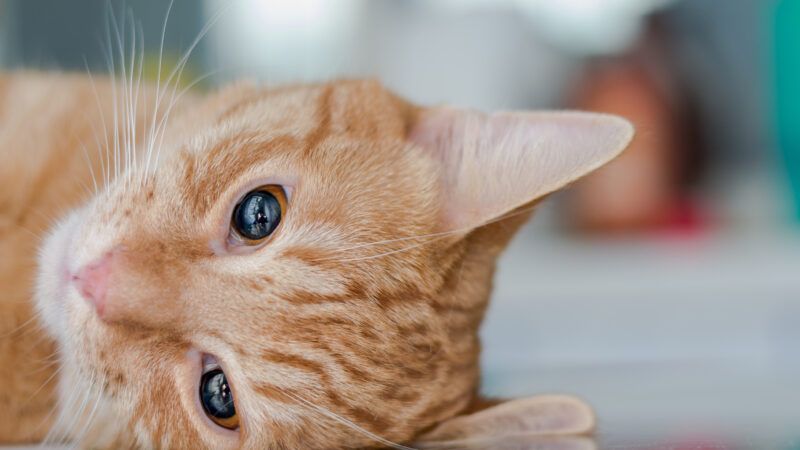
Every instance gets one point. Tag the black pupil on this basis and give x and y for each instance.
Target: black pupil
(216, 395)
(257, 215)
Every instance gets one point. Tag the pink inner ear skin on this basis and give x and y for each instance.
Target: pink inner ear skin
(491, 164)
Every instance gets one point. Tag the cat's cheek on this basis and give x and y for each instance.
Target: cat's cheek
(53, 284)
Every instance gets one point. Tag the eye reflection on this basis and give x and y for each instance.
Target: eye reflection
(259, 213)
(217, 399)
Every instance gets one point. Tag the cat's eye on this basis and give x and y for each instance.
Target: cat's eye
(259, 213)
(217, 399)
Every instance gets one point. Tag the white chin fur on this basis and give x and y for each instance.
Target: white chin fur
(55, 298)
(52, 283)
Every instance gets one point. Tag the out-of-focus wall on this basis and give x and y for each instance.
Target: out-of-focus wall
(71, 35)
(482, 54)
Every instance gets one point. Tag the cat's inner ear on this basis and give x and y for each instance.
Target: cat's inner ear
(546, 416)
(492, 164)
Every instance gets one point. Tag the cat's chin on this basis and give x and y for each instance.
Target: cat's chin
(53, 285)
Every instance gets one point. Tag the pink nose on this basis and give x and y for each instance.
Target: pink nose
(92, 281)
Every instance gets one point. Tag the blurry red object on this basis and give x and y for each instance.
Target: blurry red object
(643, 190)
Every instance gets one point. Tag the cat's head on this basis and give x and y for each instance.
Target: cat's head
(304, 267)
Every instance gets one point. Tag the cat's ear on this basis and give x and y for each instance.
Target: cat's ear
(494, 163)
(563, 421)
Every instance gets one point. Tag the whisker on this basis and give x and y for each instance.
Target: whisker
(91, 169)
(76, 414)
(133, 92)
(46, 217)
(392, 241)
(51, 433)
(119, 32)
(46, 364)
(432, 237)
(139, 82)
(88, 423)
(35, 235)
(27, 323)
(54, 434)
(331, 415)
(174, 76)
(176, 97)
(104, 163)
(45, 383)
(391, 252)
(99, 148)
(108, 52)
(43, 226)
(157, 103)
(41, 337)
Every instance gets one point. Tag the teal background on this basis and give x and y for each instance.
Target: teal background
(787, 90)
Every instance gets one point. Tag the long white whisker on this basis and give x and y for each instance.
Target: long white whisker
(123, 60)
(109, 54)
(139, 76)
(157, 103)
(20, 327)
(45, 383)
(176, 98)
(36, 235)
(90, 418)
(85, 187)
(124, 137)
(46, 222)
(49, 359)
(76, 415)
(132, 98)
(432, 237)
(126, 86)
(101, 146)
(391, 252)
(56, 432)
(331, 415)
(91, 168)
(174, 76)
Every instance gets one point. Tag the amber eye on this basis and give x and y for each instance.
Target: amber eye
(217, 399)
(259, 213)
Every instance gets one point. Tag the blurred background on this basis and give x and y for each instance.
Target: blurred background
(664, 288)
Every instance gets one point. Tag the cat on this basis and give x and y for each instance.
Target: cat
(303, 266)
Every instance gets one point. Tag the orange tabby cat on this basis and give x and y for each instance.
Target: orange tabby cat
(298, 267)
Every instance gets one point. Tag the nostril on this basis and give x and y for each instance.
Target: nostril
(92, 281)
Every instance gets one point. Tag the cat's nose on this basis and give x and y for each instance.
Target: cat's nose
(92, 281)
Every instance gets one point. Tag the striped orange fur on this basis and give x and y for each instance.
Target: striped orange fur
(354, 326)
